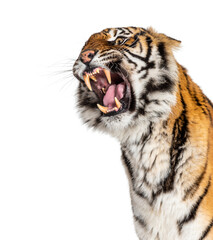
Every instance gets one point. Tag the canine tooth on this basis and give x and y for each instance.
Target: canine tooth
(107, 73)
(93, 78)
(102, 109)
(98, 70)
(103, 89)
(118, 104)
(87, 81)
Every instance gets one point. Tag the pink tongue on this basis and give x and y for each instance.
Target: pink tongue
(112, 92)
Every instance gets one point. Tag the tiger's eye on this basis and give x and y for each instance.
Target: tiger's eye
(120, 41)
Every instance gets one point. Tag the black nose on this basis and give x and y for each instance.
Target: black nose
(87, 56)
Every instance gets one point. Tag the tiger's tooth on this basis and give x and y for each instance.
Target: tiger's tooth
(102, 109)
(93, 78)
(87, 81)
(103, 89)
(107, 73)
(118, 104)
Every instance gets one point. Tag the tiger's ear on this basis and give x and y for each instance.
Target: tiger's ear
(170, 42)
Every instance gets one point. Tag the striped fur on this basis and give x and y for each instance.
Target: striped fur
(165, 135)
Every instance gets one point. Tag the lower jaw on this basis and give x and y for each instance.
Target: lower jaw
(117, 112)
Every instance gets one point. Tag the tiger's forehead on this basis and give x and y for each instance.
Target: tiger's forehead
(99, 40)
(113, 33)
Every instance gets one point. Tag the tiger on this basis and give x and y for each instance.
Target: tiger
(132, 87)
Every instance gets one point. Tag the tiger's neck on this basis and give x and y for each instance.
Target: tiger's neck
(147, 160)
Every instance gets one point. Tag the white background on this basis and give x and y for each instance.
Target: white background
(59, 180)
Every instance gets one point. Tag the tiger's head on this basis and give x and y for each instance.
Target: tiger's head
(126, 75)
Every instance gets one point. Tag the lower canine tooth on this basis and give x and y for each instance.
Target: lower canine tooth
(102, 109)
(107, 73)
(87, 81)
(118, 104)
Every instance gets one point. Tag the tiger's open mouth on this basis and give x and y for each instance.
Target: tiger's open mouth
(112, 89)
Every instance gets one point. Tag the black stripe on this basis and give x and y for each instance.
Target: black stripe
(140, 221)
(144, 59)
(133, 102)
(136, 40)
(141, 48)
(134, 55)
(187, 79)
(106, 54)
(141, 194)
(148, 41)
(85, 101)
(106, 30)
(105, 34)
(146, 138)
(150, 65)
(135, 28)
(193, 210)
(97, 122)
(128, 30)
(180, 135)
(209, 101)
(122, 31)
(211, 105)
(128, 165)
(129, 60)
(115, 32)
(163, 54)
(132, 45)
(198, 103)
(111, 58)
(142, 32)
(193, 188)
(141, 111)
(145, 74)
(206, 231)
(201, 104)
(105, 50)
(166, 84)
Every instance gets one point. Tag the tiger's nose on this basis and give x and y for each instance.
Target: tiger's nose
(87, 56)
